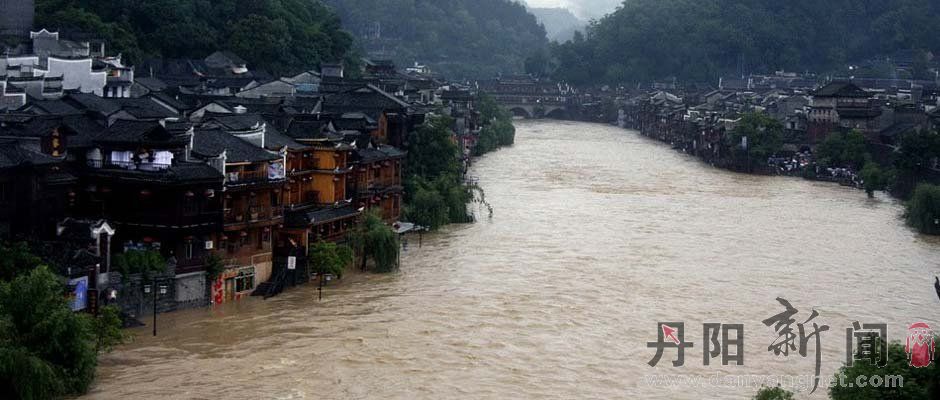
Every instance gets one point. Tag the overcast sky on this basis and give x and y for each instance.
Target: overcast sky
(585, 9)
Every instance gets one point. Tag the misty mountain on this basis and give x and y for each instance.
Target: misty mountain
(459, 38)
(560, 23)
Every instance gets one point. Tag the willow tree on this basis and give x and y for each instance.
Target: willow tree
(923, 210)
(374, 239)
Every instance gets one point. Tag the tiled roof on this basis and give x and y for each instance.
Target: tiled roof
(53, 107)
(275, 140)
(840, 89)
(235, 122)
(132, 131)
(145, 108)
(92, 102)
(178, 173)
(212, 142)
(367, 99)
(380, 153)
(320, 216)
(12, 155)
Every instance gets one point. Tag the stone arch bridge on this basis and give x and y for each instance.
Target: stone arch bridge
(534, 106)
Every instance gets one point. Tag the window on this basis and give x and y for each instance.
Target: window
(188, 249)
(377, 173)
(245, 280)
(122, 159)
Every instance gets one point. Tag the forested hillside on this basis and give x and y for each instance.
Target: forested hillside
(459, 38)
(279, 36)
(700, 39)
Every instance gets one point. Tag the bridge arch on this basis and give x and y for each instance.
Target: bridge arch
(556, 112)
(518, 111)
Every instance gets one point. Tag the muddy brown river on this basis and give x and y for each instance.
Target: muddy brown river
(597, 235)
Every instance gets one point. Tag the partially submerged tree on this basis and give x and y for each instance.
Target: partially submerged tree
(330, 258)
(923, 210)
(874, 178)
(376, 240)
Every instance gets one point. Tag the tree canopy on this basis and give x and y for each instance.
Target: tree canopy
(764, 136)
(919, 383)
(702, 39)
(459, 38)
(374, 239)
(330, 258)
(923, 210)
(843, 150)
(46, 350)
(278, 36)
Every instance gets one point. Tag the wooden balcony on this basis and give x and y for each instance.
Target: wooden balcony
(253, 215)
(248, 260)
(127, 165)
(237, 179)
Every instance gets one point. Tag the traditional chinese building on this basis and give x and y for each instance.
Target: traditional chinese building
(139, 176)
(378, 180)
(319, 175)
(840, 105)
(252, 209)
(36, 189)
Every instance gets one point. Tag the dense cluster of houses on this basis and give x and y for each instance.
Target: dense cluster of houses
(192, 158)
(697, 119)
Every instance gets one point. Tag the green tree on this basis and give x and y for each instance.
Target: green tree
(436, 194)
(873, 177)
(15, 260)
(919, 383)
(428, 208)
(916, 152)
(107, 327)
(773, 393)
(843, 150)
(432, 151)
(214, 267)
(376, 240)
(497, 130)
(46, 350)
(144, 262)
(764, 137)
(923, 210)
(330, 258)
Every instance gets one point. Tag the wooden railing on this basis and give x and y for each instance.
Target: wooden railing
(248, 260)
(253, 214)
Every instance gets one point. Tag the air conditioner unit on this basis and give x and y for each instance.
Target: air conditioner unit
(209, 245)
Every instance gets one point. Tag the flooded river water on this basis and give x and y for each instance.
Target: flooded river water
(597, 234)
